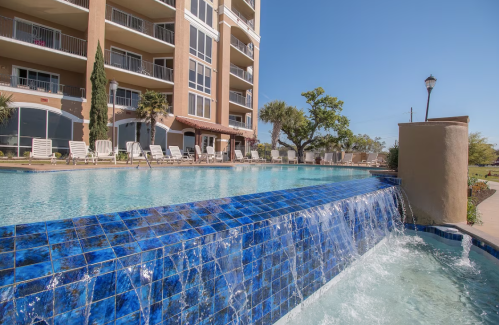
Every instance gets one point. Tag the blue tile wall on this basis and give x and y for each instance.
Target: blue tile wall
(246, 259)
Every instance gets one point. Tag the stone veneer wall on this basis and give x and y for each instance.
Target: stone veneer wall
(250, 258)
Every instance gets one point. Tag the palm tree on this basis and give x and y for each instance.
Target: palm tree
(275, 113)
(152, 105)
(5, 109)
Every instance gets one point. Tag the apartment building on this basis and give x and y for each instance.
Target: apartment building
(202, 54)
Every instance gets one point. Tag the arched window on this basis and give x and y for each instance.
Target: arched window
(141, 132)
(27, 123)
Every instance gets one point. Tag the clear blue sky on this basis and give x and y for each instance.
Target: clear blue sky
(375, 56)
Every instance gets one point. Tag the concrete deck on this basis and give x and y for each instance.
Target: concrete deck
(490, 212)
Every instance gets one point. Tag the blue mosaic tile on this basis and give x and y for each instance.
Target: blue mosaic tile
(32, 228)
(94, 243)
(6, 245)
(99, 256)
(7, 231)
(57, 237)
(65, 249)
(89, 231)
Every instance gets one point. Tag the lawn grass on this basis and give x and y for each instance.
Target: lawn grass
(480, 173)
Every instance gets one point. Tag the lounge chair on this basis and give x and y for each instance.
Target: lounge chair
(328, 159)
(177, 155)
(212, 155)
(157, 154)
(200, 156)
(309, 157)
(347, 160)
(79, 150)
(104, 151)
(292, 157)
(275, 156)
(256, 158)
(240, 157)
(372, 159)
(42, 149)
(133, 151)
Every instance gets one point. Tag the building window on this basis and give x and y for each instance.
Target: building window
(17, 134)
(248, 121)
(125, 97)
(199, 77)
(202, 10)
(200, 44)
(36, 80)
(208, 140)
(140, 132)
(199, 106)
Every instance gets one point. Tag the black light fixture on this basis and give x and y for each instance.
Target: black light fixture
(113, 85)
(430, 83)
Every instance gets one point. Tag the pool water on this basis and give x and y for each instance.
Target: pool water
(32, 197)
(409, 279)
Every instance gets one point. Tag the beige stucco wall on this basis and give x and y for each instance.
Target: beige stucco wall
(433, 161)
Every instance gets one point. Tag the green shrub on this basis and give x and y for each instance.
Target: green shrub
(473, 215)
(122, 156)
(10, 154)
(1, 153)
(392, 159)
(26, 154)
(58, 155)
(472, 180)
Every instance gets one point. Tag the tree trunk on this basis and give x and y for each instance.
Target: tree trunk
(276, 132)
(300, 151)
(153, 130)
(139, 127)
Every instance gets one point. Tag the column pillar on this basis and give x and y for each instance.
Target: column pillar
(232, 147)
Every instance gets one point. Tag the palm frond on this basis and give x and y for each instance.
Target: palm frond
(6, 109)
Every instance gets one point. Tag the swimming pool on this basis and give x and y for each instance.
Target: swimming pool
(410, 279)
(31, 197)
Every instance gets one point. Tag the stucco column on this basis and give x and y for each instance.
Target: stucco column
(223, 75)
(433, 163)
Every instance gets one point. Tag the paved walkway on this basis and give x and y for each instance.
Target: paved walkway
(490, 212)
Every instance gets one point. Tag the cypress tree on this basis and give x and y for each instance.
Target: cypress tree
(98, 108)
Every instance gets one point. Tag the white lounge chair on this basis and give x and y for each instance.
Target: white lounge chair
(240, 157)
(292, 157)
(372, 159)
(328, 159)
(212, 155)
(157, 154)
(347, 160)
(79, 150)
(177, 155)
(133, 151)
(256, 158)
(200, 156)
(42, 149)
(275, 156)
(309, 157)
(104, 151)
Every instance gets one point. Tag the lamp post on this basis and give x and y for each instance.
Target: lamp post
(113, 85)
(430, 83)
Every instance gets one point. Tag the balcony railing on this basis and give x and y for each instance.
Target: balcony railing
(84, 3)
(251, 3)
(241, 46)
(146, 68)
(42, 86)
(41, 36)
(238, 124)
(169, 110)
(235, 70)
(241, 100)
(138, 24)
(172, 2)
(249, 22)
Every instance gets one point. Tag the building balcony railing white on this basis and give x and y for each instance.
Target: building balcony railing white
(235, 70)
(123, 101)
(84, 3)
(42, 36)
(249, 22)
(238, 124)
(146, 68)
(246, 49)
(138, 24)
(251, 3)
(172, 2)
(42, 86)
(240, 99)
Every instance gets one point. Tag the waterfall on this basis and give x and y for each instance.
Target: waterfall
(466, 244)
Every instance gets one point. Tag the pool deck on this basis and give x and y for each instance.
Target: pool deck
(47, 167)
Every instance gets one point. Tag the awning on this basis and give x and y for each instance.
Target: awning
(197, 124)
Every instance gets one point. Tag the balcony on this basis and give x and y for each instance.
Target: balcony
(239, 103)
(124, 28)
(240, 79)
(245, 7)
(41, 86)
(154, 9)
(240, 53)
(239, 125)
(25, 41)
(130, 103)
(136, 71)
(249, 22)
(70, 13)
